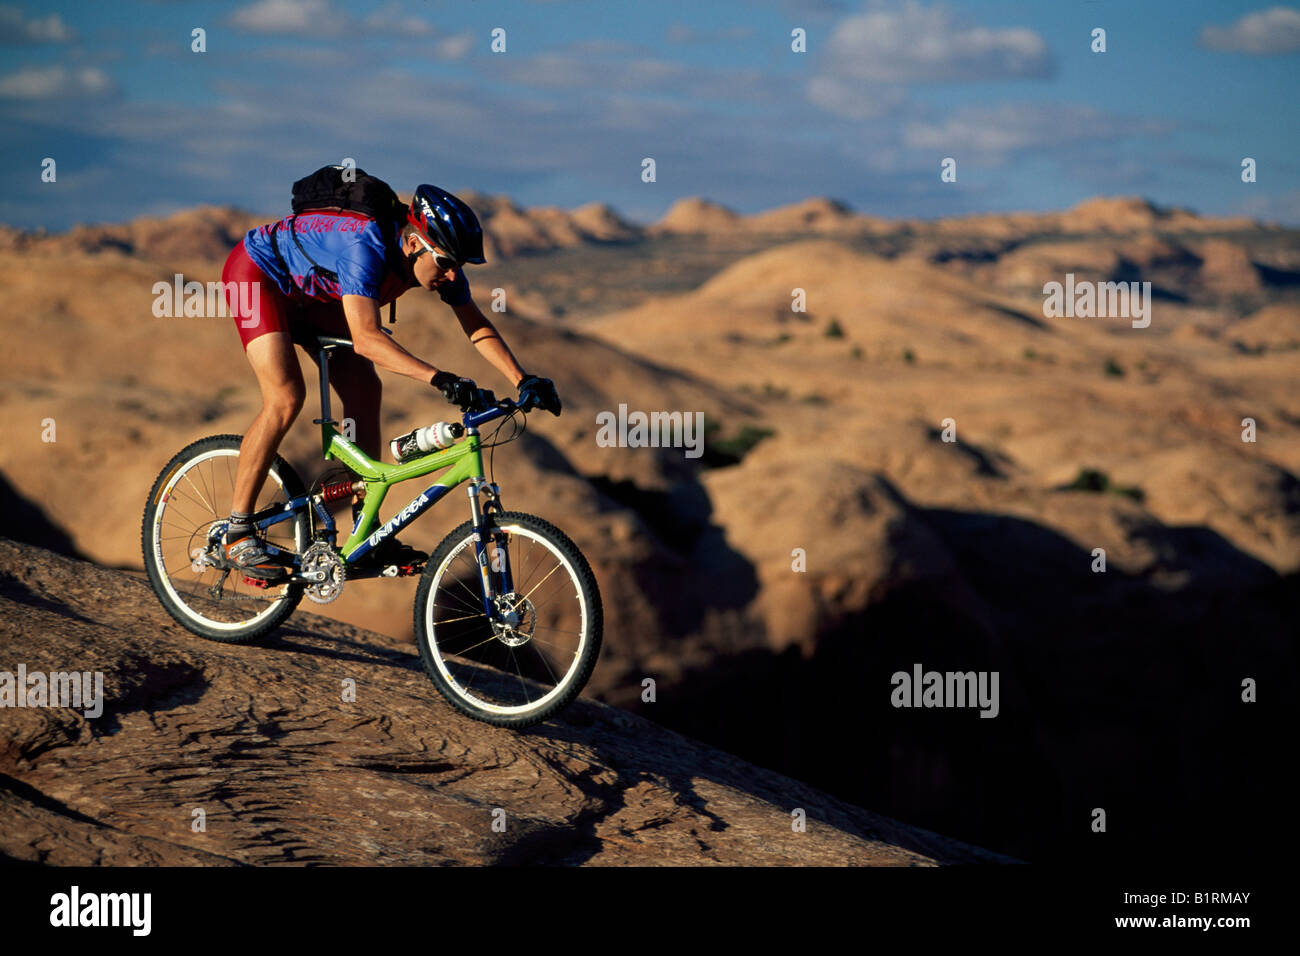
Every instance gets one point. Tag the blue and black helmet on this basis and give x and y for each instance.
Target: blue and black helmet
(447, 222)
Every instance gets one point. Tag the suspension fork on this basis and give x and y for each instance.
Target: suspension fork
(495, 580)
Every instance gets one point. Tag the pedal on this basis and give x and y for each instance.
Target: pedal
(256, 582)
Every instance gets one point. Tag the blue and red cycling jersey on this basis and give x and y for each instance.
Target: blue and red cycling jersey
(346, 243)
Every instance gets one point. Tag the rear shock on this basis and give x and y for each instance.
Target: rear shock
(341, 489)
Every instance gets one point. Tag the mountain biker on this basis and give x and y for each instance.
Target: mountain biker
(367, 270)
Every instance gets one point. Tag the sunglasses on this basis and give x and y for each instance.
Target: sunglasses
(442, 262)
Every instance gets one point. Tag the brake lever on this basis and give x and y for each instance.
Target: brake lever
(480, 401)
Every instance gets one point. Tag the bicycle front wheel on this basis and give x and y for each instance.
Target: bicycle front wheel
(184, 519)
(535, 654)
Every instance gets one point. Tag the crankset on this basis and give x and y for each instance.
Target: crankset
(324, 572)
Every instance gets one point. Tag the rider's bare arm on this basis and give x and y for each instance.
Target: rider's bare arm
(370, 342)
(488, 341)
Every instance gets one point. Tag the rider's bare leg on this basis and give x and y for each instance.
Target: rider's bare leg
(280, 378)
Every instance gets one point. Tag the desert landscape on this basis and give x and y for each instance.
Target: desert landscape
(946, 457)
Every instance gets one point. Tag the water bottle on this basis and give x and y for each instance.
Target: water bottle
(427, 439)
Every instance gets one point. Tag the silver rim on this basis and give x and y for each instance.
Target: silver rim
(196, 495)
(514, 671)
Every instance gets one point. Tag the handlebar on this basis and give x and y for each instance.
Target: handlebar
(488, 407)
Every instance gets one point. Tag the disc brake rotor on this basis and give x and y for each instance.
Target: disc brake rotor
(517, 619)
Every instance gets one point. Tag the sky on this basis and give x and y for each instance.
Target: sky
(140, 123)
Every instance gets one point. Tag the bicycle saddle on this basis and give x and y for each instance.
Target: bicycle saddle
(306, 336)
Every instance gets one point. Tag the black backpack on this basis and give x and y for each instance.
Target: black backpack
(328, 189)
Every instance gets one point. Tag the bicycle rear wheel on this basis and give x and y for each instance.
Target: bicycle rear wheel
(184, 519)
(521, 672)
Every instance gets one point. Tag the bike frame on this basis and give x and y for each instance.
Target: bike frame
(463, 460)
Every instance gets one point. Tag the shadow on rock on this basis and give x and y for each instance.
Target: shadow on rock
(1116, 691)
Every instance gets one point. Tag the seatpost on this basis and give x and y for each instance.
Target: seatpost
(325, 418)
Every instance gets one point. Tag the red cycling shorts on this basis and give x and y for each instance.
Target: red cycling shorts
(258, 306)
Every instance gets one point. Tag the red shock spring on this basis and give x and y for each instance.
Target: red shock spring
(340, 489)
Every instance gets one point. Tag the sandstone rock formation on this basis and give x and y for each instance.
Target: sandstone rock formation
(286, 772)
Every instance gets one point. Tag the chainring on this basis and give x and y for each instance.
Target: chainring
(321, 557)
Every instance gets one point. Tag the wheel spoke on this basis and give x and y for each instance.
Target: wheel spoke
(543, 580)
(453, 620)
(547, 643)
(520, 677)
(538, 607)
(180, 568)
(473, 597)
(198, 492)
(524, 560)
(545, 663)
(178, 493)
(463, 651)
(461, 605)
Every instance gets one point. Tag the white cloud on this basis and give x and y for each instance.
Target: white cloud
(54, 82)
(601, 70)
(853, 100)
(322, 18)
(916, 44)
(15, 29)
(454, 47)
(391, 18)
(569, 70)
(990, 135)
(288, 16)
(1276, 30)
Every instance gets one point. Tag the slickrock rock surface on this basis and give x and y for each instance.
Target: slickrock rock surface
(285, 772)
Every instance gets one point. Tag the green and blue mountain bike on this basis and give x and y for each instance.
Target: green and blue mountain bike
(507, 614)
